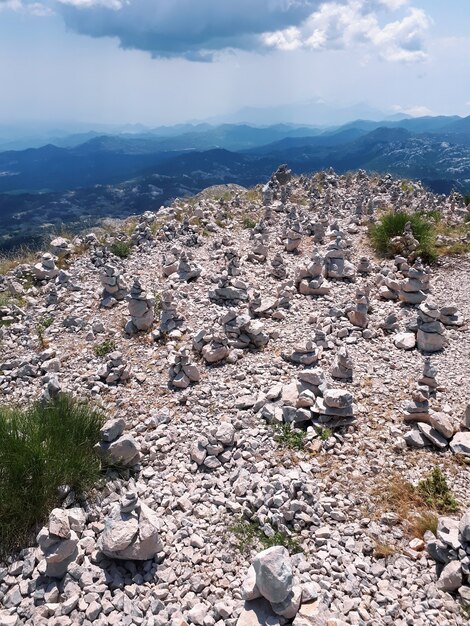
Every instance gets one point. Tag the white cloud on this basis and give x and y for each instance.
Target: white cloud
(414, 111)
(358, 23)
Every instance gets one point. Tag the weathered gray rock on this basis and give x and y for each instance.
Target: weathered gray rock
(274, 576)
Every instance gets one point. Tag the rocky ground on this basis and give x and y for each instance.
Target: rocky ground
(209, 456)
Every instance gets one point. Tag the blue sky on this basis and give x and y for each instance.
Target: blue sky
(167, 61)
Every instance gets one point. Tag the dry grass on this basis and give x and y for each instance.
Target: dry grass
(383, 550)
(422, 522)
(20, 257)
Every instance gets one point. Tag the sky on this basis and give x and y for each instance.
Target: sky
(161, 62)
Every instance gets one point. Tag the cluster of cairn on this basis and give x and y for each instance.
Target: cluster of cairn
(213, 347)
(243, 332)
(182, 372)
(114, 370)
(141, 309)
(114, 447)
(114, 286)
(213, 449)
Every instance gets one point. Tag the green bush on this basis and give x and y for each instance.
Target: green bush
(105, 347)
(392, 224)
(41, 448)
(122, 249)
(248, 222)
(250, 536)
(436, 493)
(289, 437)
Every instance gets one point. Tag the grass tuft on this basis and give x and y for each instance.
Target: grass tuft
(392, 224)
(41, 448)
(435, 491)
(250, 536)
(289, 437)
(121, 249)
(105, 347)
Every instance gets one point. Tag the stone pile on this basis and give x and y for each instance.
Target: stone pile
(336, 264)
(58, 541)
(307, 355)
(450, 548)
(334, 410)
(293, 237)
(430, 334)
(232, 261)
(214, 448)
(262, 307)
(143, 233)
(364, 267)
(310, 281)
(141, 309)
(278, 268)
(187, 269)
(131, 531)
(170, 262)
(342, 365)
(182, 372)
(243, 332)
(390, 324)
(171, 322)
(114, 286)
(229, 291)
(406, 244)
(114, 447)
(359, 315)
(259, 251)
(46, 268)
(285, 294)
(61, 247)
(213, 347)
(450, 316)
(415, 287)
(114, 370)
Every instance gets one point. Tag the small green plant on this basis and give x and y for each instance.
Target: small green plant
(392, 224)
(42, 325)
(104, 348)
(436, 493)
(41, 448)
(122, 249)
(289, 437)
(324, 433)
(251, 536)
(248, 222)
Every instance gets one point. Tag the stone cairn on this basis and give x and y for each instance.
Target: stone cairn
(415, 287)
(114, 287)
(182, 372)
(61, 247)
(213, 348)
(229, 291)
(232, 260)
(405, 244)
(58, 541)
(364, 267)
(278, 268)
(336, 264)
(430, 335)
(170, 320)
(259, 251)
(143, 232)
(187, 269)
(309, 280)
(114, 447)
(114, 370)
(213, 449)
(342, 368)
(449, 316)
(450, 547)
(293, 237)
(46, 268)
(131, 531)
(243, 332)
(390, 323)
(170, 262)
(285, 294)
(309, 354)
(262, 307)
(359, 315)
(141, 309)
(335, 409)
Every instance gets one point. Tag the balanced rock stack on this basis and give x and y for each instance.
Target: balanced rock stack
(285, 294)
(214, 449)
(131, 531)
(58, 541)
(259, 252)
(114, 286)
(342, 365)
(243, 332)
(309, 280)
(364, 267)
(336, 264)
(430, 335)
(278, 268)
(46, 268)
(232, 260)
(182, 372)
(415, 287)
(293, 237)
(170, 262)
(170, 320)
(450, 316)
(188, 270)
(229, 291)
(405, 244)
(334, 409)
(141, 309)
(359, 315)
(115, 447)
(114, 370)
(262, 307)
(428, 377)
(450, 548)
(212, 347)
(308, 354)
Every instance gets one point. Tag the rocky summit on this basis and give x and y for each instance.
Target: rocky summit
(274, 391)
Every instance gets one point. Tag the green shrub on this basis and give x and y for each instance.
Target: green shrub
(250, 536)
(392, 224)
(41, 448)
(248, 222)
(122, 249)
(324, 433)
(436, 493)
(105, 347)
(288, 437)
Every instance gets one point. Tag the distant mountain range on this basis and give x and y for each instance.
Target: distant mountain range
(85, 176)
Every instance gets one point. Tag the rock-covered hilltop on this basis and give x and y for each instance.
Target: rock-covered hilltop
(269, 382)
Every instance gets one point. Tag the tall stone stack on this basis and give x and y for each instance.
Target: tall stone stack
(278, 268)
(141, 309)
(414, 288)
(187, 269)
(259, 252)
(430, 336)
(243, 332)
(170, 262)
(428, 377)
(232, 260)
(334, 410)
(342, 365)
(114, 286)
(170, 320)
(182, 372)
(310, 281)
(359, 315)
(293, 237)
(336, 264)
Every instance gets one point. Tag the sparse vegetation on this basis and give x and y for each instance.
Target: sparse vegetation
(324, 433)
(20, 256)
(122, 249)
(41, 448)
(105, 347)
(383, 550)
(289, 437)
(436, 493)
(392, 224)
(41, 327)
(248, 221)
(422, 522)
(250, 536)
